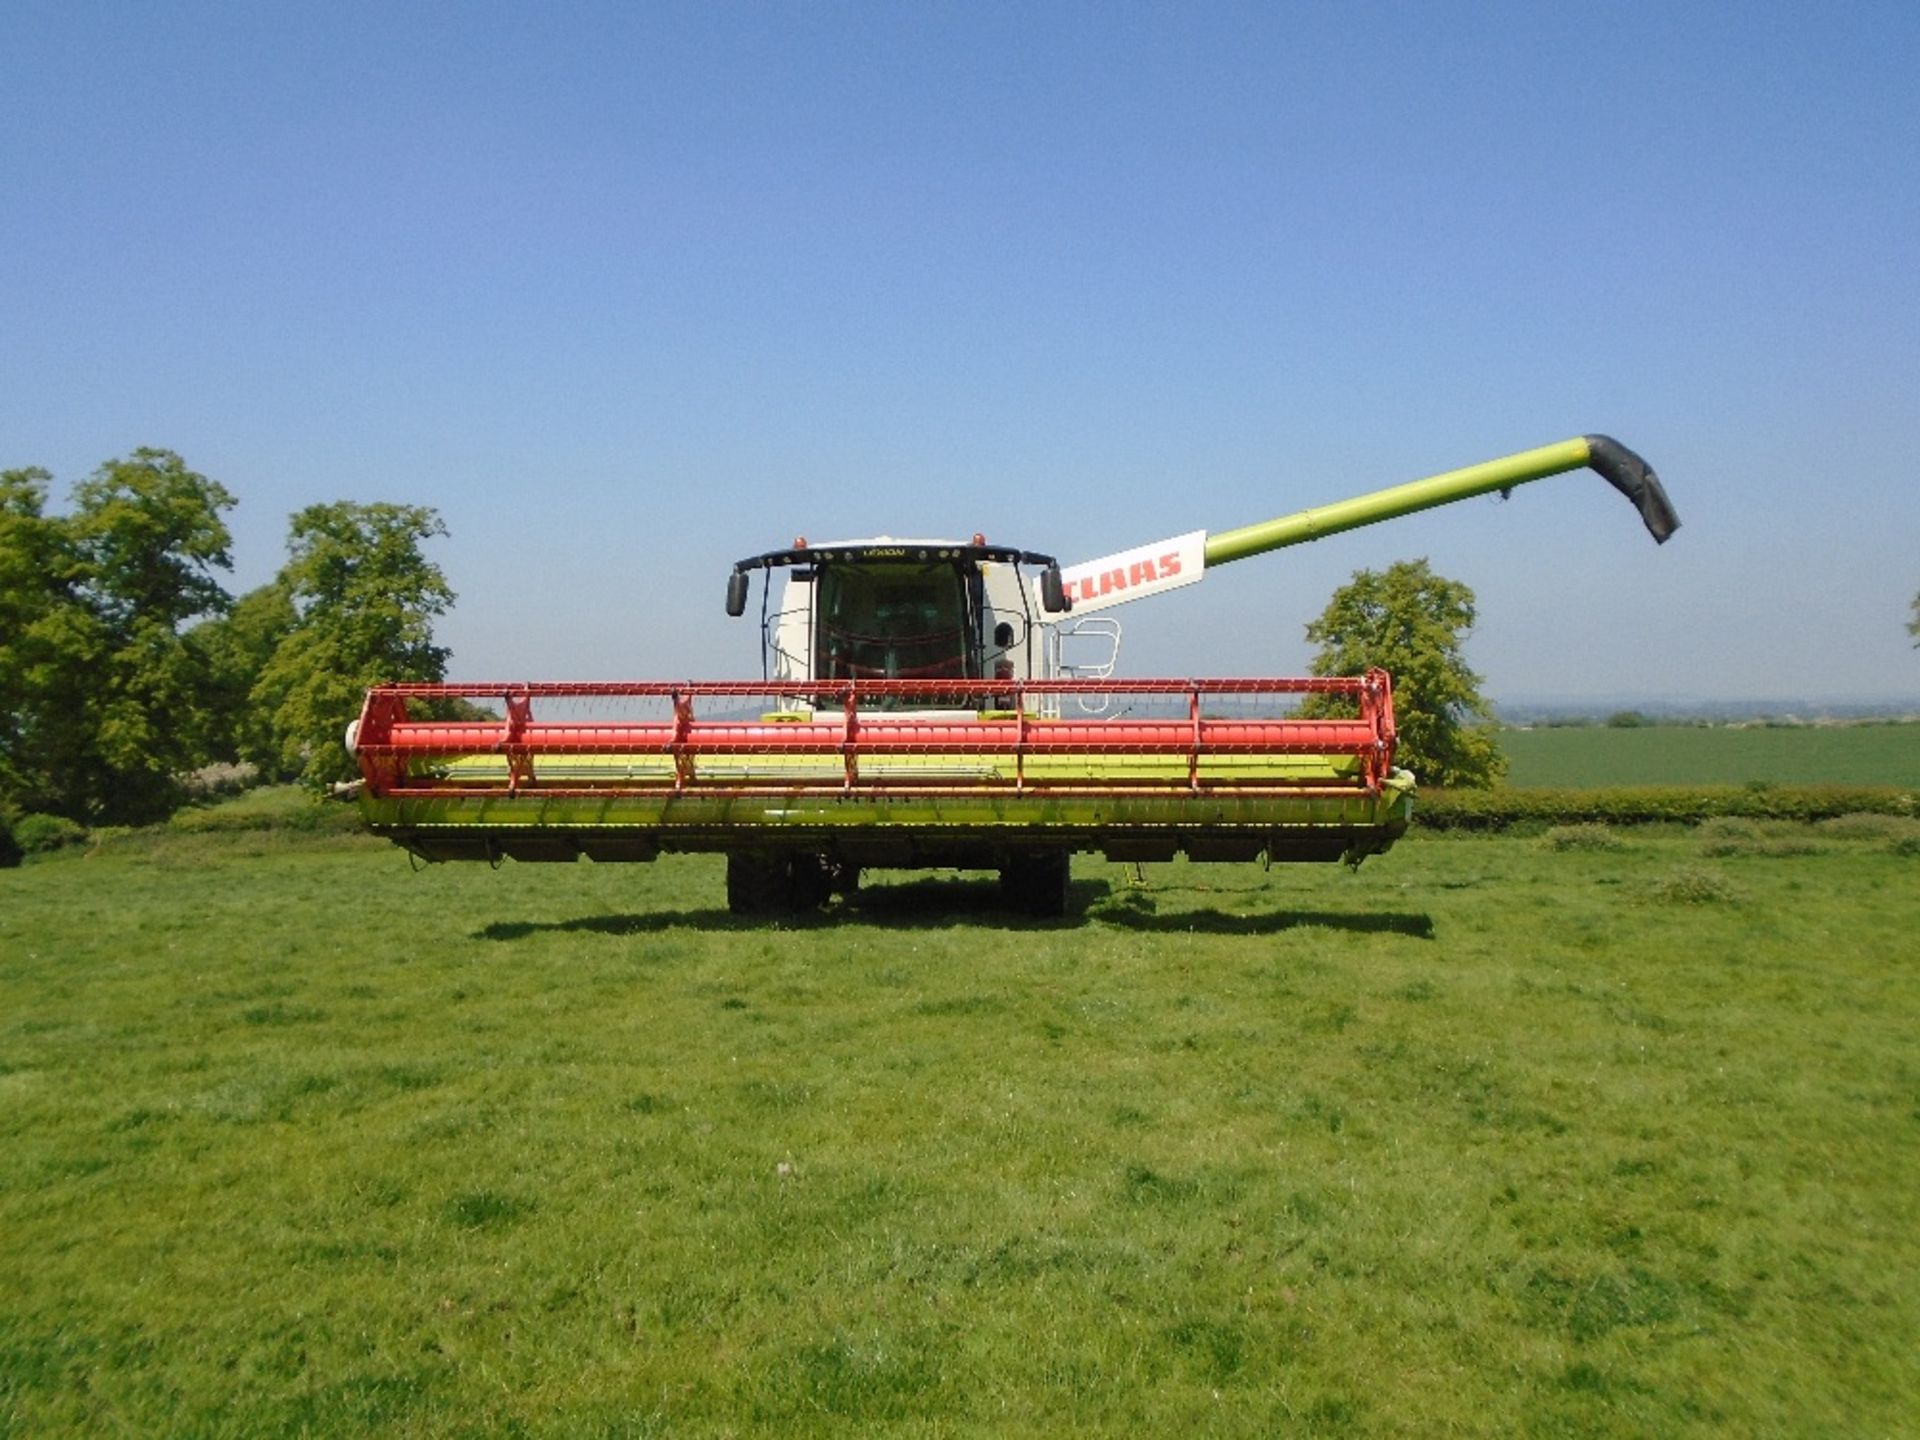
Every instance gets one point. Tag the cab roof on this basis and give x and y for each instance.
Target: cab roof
(884, 549)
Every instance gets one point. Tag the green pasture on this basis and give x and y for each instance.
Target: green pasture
(1596, 755)
(1582, 1135)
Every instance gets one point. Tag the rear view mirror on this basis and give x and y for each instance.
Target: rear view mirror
(1053, 594)
(737, 584)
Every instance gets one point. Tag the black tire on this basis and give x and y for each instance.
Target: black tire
(1036, 883)
(811, 882)
(763, 884)
(758, 884)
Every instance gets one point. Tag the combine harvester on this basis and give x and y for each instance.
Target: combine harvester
(932, 703)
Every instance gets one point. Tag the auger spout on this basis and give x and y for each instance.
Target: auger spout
(1626, 471)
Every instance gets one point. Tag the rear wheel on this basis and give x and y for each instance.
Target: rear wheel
(1036, 883)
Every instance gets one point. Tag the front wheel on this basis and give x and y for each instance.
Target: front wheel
(1036, 883)
(758, 884)
(763, 883)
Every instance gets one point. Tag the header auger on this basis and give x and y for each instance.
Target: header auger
(920, 707)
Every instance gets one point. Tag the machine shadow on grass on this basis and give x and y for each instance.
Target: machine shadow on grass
(935, 903)
(923, 904)
(1416, 925)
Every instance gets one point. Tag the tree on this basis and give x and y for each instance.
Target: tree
(149, 534)
(102, 695)
(234, 650)
(35, 571)
(1412, 623)
(364, 599)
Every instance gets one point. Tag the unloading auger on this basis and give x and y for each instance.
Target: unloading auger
(930, 703)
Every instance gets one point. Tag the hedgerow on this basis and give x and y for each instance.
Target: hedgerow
(1506, 808)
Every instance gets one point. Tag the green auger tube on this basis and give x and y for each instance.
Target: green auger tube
(1614, 462)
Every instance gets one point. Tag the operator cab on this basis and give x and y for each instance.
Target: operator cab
(887, 609)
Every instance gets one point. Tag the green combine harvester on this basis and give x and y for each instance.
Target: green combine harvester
(932, 703)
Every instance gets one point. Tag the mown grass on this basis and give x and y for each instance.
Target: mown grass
(1487, 1138)
(1591, 755)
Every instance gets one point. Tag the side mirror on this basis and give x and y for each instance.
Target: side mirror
(737, 584)
(1053, 593)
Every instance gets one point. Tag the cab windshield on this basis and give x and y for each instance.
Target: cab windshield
(893, 622)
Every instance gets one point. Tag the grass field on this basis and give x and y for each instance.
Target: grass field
(1594, 755)
(1488, 1138)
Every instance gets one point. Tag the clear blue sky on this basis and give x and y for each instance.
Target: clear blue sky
(630, 291)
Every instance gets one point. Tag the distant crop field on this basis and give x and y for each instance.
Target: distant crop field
(1589, 1134)
(1599, 755)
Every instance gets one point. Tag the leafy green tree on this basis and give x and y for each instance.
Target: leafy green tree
(148, 536)
(103, 695)
(234, 650)
(35, 575)
(1412, 623)
(365, 599)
